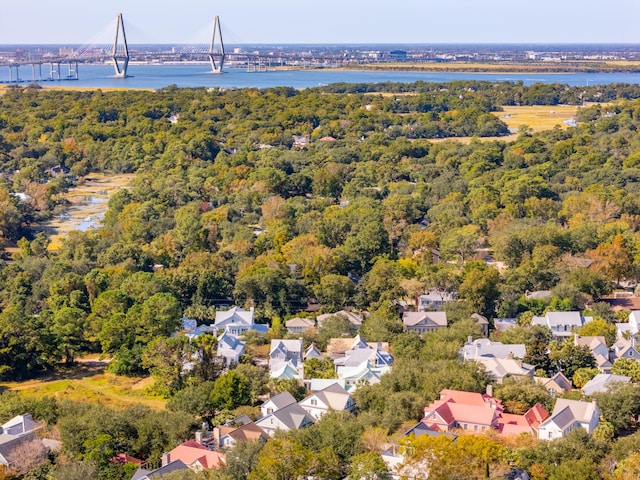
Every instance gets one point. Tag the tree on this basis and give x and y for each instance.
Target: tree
(319, 368)
(368, 466)
(281, 459)
(68, 328)
(569, 357)
(599, 327)
(334, 291)
(480, 289)
(230, 391)
(583, 375)
(462, 242)
(627, 367)
(243, 459)
(614, 259)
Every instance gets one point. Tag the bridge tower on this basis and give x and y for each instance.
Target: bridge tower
(216, 52)
(122, 55)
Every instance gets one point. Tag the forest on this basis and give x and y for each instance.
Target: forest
(380, 204)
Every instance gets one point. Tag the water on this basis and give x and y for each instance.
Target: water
(196, 75)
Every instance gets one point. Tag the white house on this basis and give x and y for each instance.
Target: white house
(283, 353)
(561, 324)
(291, 417)
(334, 397)
(501, 368)
(483, 347)
(277, 402)
(16, 431)
(299, 325)
(237, 321)
(631, 327)
(599, 350)
(230, 348)
(625, 348)
(434, 300)
(424, 322)
(354, 318)
(567, 416)
(601, 383)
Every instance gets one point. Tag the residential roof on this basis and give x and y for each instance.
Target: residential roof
(280, 400)
(317, 384)
(412, 319)
(286, 346)
(191, 452)
(334, 397)
(312, 352)
(581, 411)
(247, 432)
(19, 425)
(353, 318)
(300, 323)
(483, 347)
(234, 315)
(292, 416)
(602, 382)
(503, 367)
(558, 383)
(143, 474)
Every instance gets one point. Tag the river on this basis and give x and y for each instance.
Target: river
(196, 75)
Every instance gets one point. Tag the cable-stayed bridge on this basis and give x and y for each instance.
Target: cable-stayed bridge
(65, 65)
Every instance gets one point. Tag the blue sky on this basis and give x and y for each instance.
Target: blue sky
(326, 21)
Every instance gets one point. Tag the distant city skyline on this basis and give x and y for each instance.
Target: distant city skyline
(329, 21)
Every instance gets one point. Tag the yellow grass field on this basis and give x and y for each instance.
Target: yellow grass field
(536, 117)
(88, 382)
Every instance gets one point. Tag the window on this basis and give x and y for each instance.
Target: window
(475, 428)
(465, 426)
(314, 402)
(269, 411)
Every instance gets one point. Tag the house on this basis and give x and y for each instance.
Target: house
(230, 348)
(354, 318)
(334, 397)
(434, 300)
(196, 456)
(338, 347)
(424, 322)
(167, 467)
(312, 352)
(363, 374)
(479, 413)
(237, 321)
(483, 347)
(228, 436)
(561, 324)
(291, 417)
(277, 402)
(474, 412)
(556, 385)
(18, 430)
(601, 383)
(599, 350)
(568, 415)
(300, 325)
(631, 327)
(287, 371)
(483, 322)
(501, 368)
(374, 357)
(510, 424)
(285, 350)
(504, 324)
(625, 348)
(300, 141)
(316, 384)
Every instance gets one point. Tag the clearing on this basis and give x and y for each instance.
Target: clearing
(89, 202)
(88, 382)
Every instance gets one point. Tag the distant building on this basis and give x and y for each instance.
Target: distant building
(424, 322)
(561, 324)
(567, 416)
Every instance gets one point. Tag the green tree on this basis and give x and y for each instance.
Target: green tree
(281, 459)
(230, 391)
(368, 466)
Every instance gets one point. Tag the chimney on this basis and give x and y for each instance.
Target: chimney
(166, 459)
(490, 390)
(199, 437)
(470, 339)
(216, 436)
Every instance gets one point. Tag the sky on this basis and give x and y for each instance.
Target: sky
(328, 21)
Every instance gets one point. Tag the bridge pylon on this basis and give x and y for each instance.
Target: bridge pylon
(216, 50)
(120, 59)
